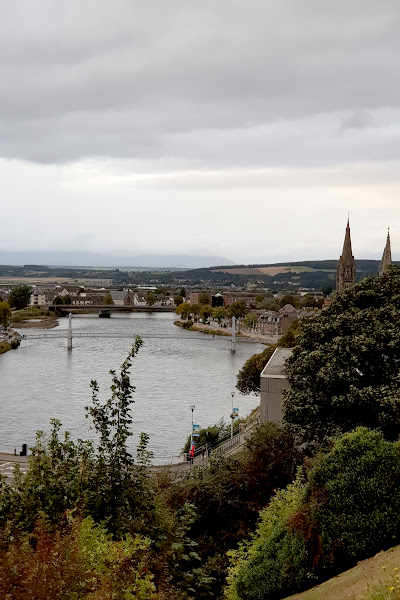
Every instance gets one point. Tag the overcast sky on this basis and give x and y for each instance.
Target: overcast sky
(244, 129)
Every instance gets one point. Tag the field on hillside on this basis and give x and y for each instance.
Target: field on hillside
(272, 271)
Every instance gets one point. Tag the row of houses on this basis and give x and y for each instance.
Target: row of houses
(79, 296)
(277, 323)
(226, 299)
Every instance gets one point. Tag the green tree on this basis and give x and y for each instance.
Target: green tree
(178, 300)
(183, 292)
(270, 303)
(219, 313)
(150, 299)
(183, 310)
(67, 299)
(344, 371)
(108, 299)
(5, 314)
(58, 300)
(309, 301)
(250, 320)
(195, 310)
(206, 312)
(204, 298)
(248, 378)
(237, 309)
(20, 296)
(112, 420)
(326, 290)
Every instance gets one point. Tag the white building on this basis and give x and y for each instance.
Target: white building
(272, 381)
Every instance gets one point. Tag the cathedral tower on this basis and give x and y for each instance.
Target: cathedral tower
(346, 272)
(386, 257)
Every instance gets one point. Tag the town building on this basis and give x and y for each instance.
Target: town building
(273, 381)
(248, 299)
(386, 257)
(346, 270)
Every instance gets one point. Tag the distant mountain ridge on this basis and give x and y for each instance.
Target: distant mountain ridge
(80, 259)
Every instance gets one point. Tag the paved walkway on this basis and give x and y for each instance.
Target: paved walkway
(242, 333)
(7, 462)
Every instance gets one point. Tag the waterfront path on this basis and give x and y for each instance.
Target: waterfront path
(8, 461)
(240, 334)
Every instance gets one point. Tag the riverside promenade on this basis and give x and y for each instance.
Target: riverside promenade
(227, 332)
(8, 461)
(227, 447)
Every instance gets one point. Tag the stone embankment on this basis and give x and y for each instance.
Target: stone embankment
(9, 340)
(214, 329)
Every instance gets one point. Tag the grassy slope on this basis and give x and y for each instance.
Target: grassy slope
(357, 583)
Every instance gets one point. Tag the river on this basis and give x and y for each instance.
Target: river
(43, 380)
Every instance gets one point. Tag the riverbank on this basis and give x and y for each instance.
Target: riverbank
(33, 316)
(212, 330)
(9, 341)
(47, 323)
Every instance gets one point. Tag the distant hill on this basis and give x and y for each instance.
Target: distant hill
(312, 275)
(79, 259)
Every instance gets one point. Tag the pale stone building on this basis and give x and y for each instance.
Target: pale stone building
(346, 270)
(386, 257)
(272, 381)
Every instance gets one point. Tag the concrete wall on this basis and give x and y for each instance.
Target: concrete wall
(272, 382)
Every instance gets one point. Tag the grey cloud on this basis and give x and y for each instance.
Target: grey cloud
(211, 83)
(357, 120)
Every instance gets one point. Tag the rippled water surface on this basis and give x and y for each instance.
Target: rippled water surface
(42, 379)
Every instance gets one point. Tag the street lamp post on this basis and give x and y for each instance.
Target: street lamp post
(191, 434)
(232, 415)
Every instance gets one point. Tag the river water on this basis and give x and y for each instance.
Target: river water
(43, 380)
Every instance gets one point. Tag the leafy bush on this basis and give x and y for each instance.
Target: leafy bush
(265, 566)
(354, 497)
(347, 509)
(248, 378)
(76, 561)
(230, 492)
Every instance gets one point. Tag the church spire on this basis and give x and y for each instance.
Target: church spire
(386, 257)
(346, 272)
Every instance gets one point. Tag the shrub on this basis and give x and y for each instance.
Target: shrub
(77, 560)
(359, 510)
(347, 509)
(270, 565)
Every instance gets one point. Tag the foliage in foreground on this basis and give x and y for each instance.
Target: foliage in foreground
(76, 561)
(107, 486)
(229, 494)
(345, 509)
(344, 371)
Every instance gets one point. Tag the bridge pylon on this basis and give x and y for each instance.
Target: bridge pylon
(69, 337)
